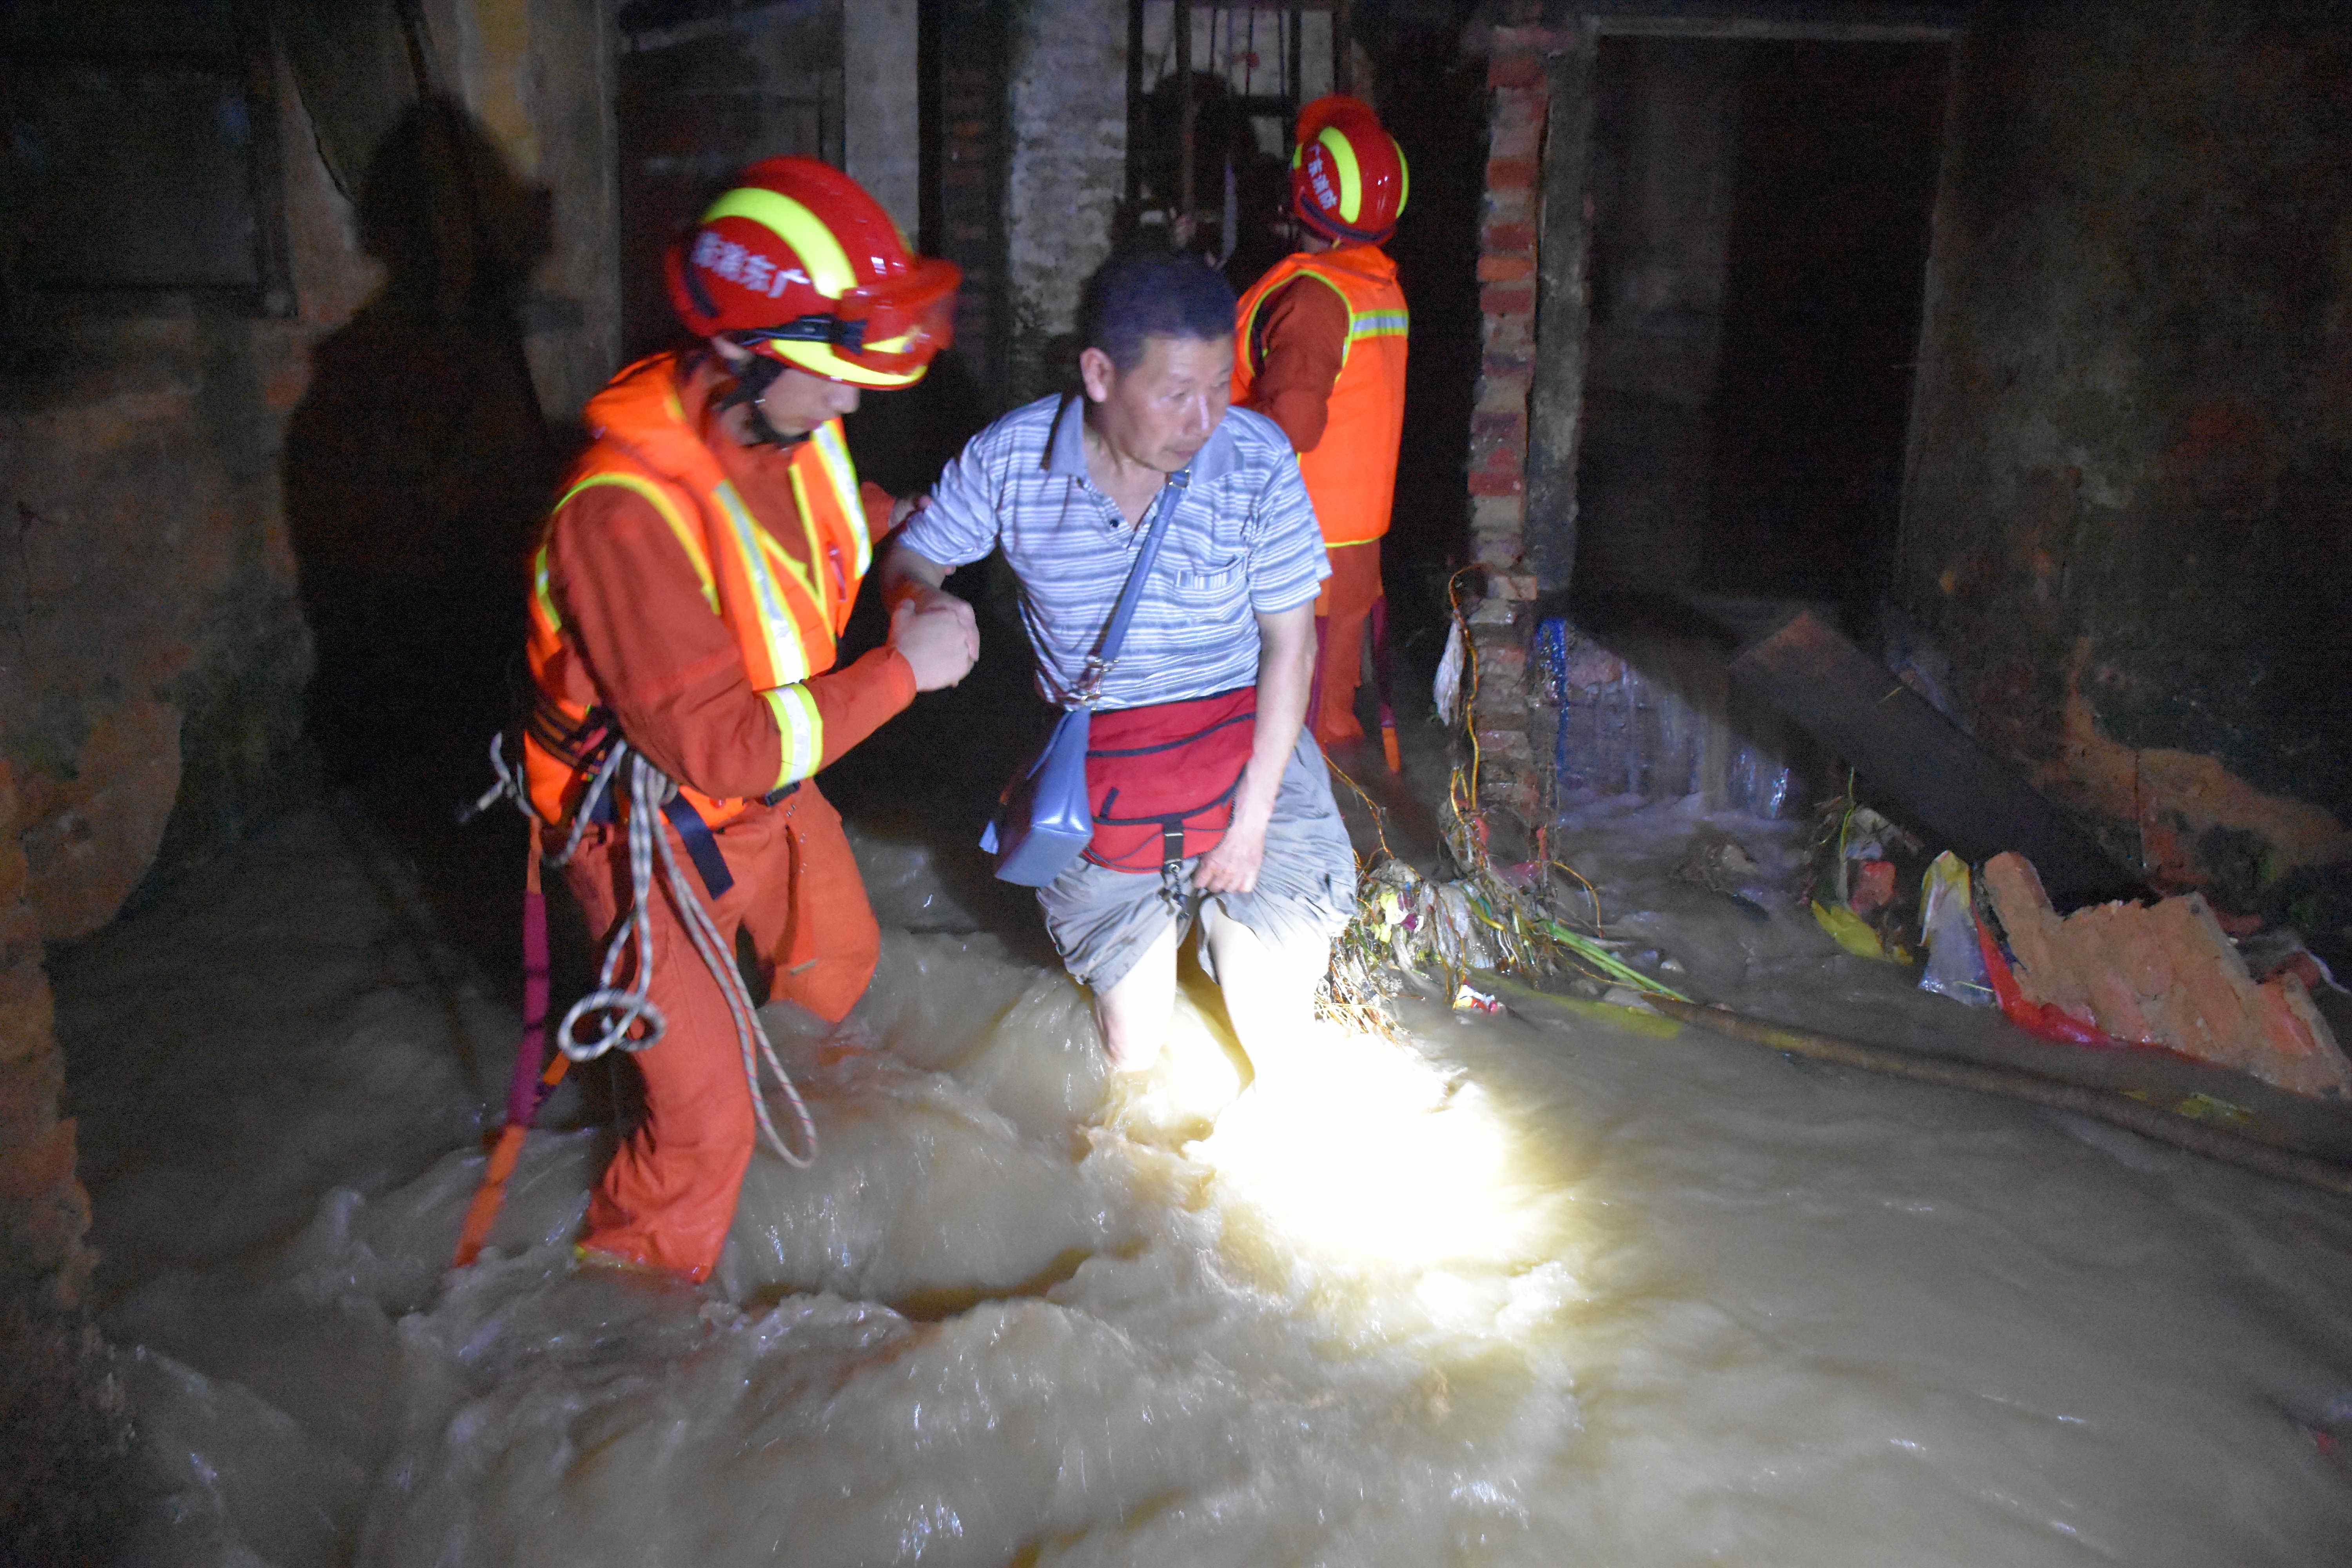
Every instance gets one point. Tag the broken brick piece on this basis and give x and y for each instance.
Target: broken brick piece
(2032, 929)
(2304, 1057)
(2165, 975)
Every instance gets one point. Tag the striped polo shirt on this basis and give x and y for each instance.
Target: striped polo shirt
(1242, 542)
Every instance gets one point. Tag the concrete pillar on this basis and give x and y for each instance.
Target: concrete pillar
(879, 142)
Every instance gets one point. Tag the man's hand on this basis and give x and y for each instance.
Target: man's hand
(1231, 867)
(936, 635)
(906, 507)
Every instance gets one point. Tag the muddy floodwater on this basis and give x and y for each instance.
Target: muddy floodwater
(1518, 1292)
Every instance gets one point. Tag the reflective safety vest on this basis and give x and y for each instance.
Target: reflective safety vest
(1350, 473)
(785, 615)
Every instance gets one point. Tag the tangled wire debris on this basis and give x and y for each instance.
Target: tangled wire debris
(1433, 933)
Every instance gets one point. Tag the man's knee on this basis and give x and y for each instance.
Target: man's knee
(1134, 1011)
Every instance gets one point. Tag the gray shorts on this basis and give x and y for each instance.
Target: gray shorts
(1102, 919)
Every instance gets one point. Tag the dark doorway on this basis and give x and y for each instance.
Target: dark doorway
(1759, 246)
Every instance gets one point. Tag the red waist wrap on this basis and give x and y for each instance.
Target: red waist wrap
(1161, 779)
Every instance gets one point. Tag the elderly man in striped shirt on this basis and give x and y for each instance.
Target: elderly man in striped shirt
(1212, 805)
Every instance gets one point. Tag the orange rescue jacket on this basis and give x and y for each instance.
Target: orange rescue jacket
(1350, 473)
(785, 619)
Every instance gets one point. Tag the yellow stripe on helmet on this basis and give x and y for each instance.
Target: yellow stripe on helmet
(819, 360)
(1343, 163)
(820, 255)
(1404, 177)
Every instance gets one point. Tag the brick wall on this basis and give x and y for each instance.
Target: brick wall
(1502, 624)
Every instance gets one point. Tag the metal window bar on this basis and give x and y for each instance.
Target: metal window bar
(1262, 63)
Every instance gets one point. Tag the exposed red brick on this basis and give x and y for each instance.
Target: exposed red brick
(1511, 173)
(1505, 268)
(1507, 301)
(1509, 425)
(1509, 238)
(1485, 482)
(1510, 332)
(1518, 67)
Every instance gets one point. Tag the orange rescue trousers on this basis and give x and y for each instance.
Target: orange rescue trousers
(668, 1197)
(1340, 613)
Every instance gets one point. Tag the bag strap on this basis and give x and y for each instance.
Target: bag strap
(1114, 636)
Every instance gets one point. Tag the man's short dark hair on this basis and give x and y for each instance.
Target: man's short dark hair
(1152, 293)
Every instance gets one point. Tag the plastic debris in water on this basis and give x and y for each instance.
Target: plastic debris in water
(1955, 967)
(1469, 999)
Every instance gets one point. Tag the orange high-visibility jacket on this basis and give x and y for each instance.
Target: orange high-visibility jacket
(1350, 473)
(787, 619)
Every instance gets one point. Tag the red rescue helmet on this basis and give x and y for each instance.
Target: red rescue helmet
(1348, 178)
(798, 263)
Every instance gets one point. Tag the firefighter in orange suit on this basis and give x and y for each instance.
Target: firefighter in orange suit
(1320, 348)
(686, 594)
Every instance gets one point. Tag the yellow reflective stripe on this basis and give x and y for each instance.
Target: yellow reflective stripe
(687, 537)
(542, 592)
(1351, 179)
(785, 655)
(816, 579)
(778, 556)
(801, 729)
(834, 452)
(1249, 322)
(1380, 324)
(813, 244)
(1404, 177)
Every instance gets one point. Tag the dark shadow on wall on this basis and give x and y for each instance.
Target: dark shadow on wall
(416, 471)
(1433, 100)
(416, 468)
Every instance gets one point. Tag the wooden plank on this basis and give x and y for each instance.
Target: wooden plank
(1918, 762)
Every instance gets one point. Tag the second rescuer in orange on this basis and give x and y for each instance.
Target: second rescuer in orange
(1320, 348)
(693, 579)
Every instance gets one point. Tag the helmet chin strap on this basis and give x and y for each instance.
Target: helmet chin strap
(754, 376)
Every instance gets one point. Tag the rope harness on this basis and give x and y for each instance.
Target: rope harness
(625, 1017)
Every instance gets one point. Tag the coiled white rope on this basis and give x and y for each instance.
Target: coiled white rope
(616, 1012)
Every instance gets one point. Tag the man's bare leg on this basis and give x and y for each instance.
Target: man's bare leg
(1134, 1014)
(1269, 990)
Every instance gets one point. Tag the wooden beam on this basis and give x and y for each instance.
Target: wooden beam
(1918, 763)
(1827, 21)
(1758, 28)
(1563, 314)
